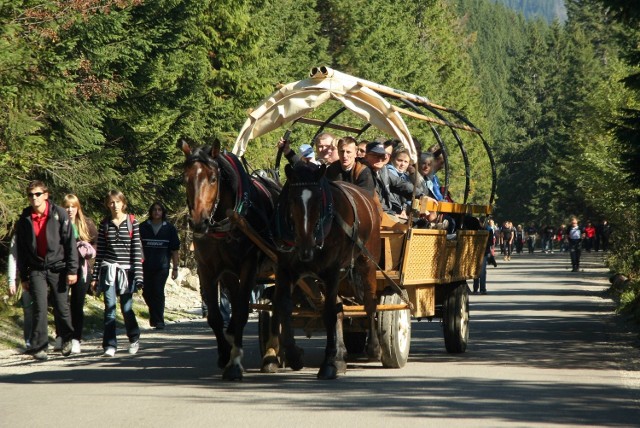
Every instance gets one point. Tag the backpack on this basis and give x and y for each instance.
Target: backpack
(129, 220)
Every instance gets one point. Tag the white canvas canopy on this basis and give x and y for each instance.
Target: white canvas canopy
(296, 99)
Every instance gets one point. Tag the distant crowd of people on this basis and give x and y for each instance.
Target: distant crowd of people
(58, 254)
(572, 238)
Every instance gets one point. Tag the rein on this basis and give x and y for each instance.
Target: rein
(352, 233)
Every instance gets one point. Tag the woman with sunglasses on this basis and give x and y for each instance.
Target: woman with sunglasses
(48, 264)
(86, 233)
(118, 271)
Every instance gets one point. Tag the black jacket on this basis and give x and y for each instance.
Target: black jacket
(62, 253)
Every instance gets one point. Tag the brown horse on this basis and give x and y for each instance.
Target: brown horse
(331, 228)
(217, 182)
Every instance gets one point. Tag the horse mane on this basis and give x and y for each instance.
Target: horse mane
(201, 154)
(230, 167)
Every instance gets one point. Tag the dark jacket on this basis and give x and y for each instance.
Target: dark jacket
(360, 175)
(62, 252)
(389, 188)
(157, 249)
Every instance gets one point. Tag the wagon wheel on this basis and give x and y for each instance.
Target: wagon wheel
(394, 332)
(455, 319)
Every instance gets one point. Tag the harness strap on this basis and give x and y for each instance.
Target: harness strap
(353, 233)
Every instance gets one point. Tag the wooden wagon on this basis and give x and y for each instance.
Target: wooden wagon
(422, 272)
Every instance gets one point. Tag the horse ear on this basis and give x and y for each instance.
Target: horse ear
(184, 146)
(215, 148)
(288, 170)
(320, 171)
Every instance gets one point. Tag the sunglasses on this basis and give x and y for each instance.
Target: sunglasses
(36, 194)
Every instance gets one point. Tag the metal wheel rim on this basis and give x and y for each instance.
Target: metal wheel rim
(464, 315)
(404, 328)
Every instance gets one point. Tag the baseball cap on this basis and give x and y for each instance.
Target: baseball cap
(376, 147)
(306, 151)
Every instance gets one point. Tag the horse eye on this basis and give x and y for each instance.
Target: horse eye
(213, 179)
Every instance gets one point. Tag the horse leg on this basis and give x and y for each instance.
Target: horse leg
(239, 293)
(209, 286)
(283, 304)
(271, 360)
(329, 366)
(374, 351)
(341, 363)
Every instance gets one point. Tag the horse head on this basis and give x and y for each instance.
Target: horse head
(308, 208)
(202, 181)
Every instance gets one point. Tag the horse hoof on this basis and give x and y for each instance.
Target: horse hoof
(223, 360)
(270, 365)
(341, 367)
(374, 353)
(327, 372)
(232, 373)
(295, 359)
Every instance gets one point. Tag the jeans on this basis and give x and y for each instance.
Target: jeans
(575, 250)
(41, 282)
(153, 294)
(27, 311)
(78, 295)
(481, 281)
(130, 322)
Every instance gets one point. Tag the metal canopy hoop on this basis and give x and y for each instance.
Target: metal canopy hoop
(365, 99)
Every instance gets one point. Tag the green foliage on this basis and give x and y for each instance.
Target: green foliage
(94, 94)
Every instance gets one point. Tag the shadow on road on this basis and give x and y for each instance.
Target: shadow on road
(551, 321)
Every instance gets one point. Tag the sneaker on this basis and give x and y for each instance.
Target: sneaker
(27, 345)
(66, 348)
(41, 355)
(110, 351)
(160, 326)
(58, 344)
(133, 347)
(75, 346)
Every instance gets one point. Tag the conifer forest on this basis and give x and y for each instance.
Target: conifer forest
(95, 94)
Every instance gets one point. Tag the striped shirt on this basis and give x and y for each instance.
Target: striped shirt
(116, 246)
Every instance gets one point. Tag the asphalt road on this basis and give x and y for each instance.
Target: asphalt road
(545, 349)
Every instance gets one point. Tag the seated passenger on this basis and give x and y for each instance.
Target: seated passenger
(426, 165)
(387, 185)
(438, 164)
(306, 154)
(349, 168)
(326, 148)
(398, 167)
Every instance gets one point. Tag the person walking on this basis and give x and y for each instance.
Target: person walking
(86, 234)
(118, 271)
(574, 238)
(531, 237)
(48, 264)
(589, 236)
(605, 234)
(161, 247)
(480, 283)
(508, 235)
(519, 239)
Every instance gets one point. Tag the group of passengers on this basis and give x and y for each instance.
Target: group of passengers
(380, 167)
